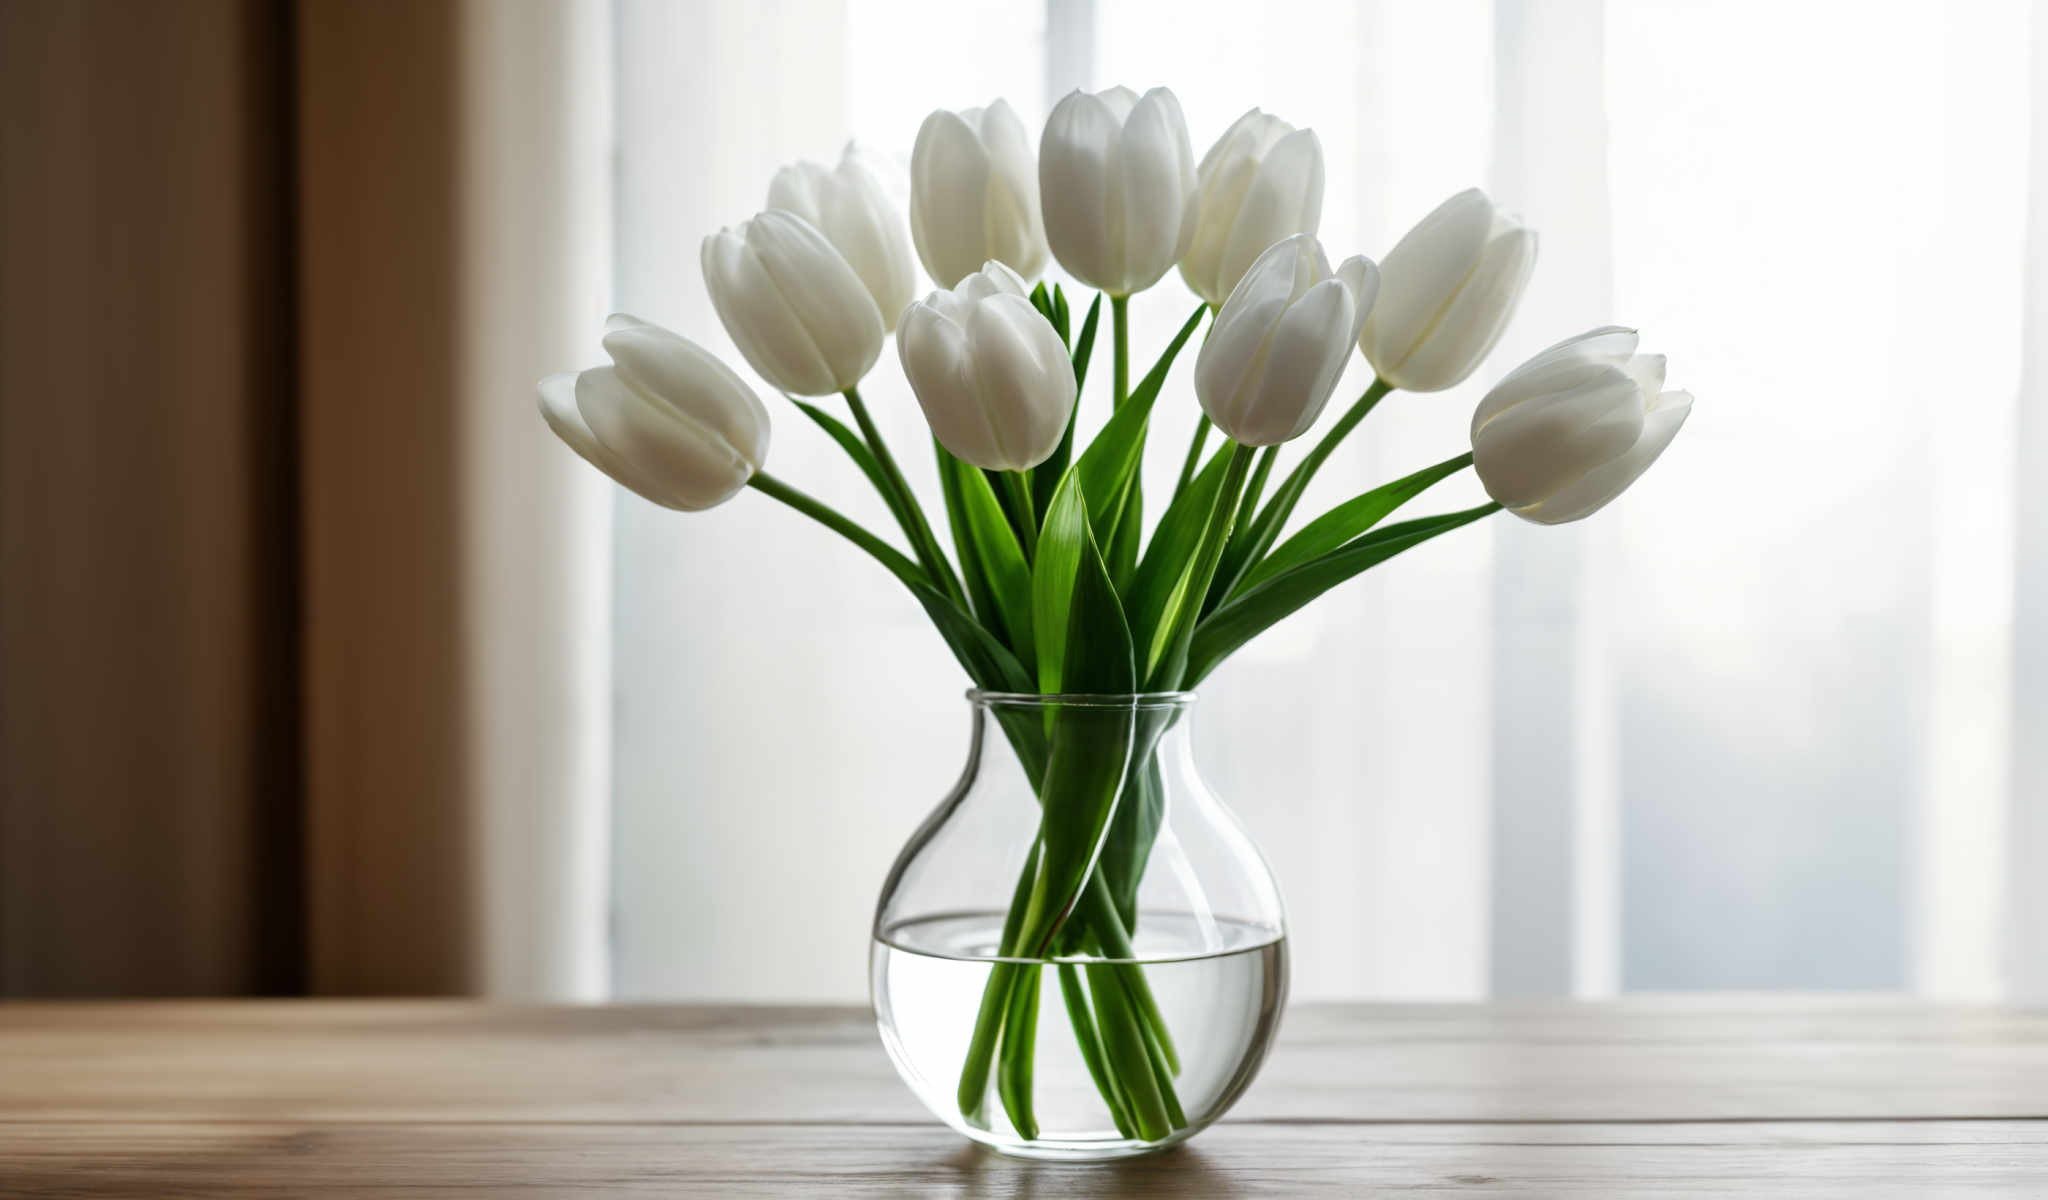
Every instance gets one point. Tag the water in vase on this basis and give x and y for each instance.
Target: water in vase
(1219, 985)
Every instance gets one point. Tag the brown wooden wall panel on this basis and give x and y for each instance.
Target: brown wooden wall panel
(148, 719)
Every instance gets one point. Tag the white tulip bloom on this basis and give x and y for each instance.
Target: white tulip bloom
(1447, 291)
(974, 194)
(793, 305)
(1573, 427)
(667, 420)
(849, 205)
(989, 371)
(1117, 177)
(1260, 183)
(1282, 340)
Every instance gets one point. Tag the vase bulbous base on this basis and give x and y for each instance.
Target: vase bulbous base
(1079, 956)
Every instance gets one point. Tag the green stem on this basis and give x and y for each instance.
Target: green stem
(1019, 488)
(836, 521)
(1194, 458)
(904, 504)
(1253, 540)
(1120, 324)
(1257, 487)
(1076, 997)
(1298, 479)
(1173, 658)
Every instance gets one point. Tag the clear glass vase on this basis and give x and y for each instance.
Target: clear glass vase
(1079, 954)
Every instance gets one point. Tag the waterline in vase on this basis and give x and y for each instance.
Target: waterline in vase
(1220, 984)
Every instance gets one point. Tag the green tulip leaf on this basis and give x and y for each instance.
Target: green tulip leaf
(1172, 549)
(997, 554)
(1109, 465)
(1046, 475)
(973, 572)
(1348, 520)
(1246, 616)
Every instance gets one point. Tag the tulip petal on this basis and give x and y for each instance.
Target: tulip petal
(949, 183)
(1421, 275)
(1306, 354)
(558, 409)
(676, 372)
(1557, 376)
(1158, 191)
(1285, 197)
(1537, 447)
(1467, 329)
(1080, 188)
(1362, 276)
(671, 459)
(939, 363)
(829, 300)
(1234, 354)
(1013, 233)
(767, 331)
(850, 207)
(1613, 343)
(1024, 377)
(1592, 491)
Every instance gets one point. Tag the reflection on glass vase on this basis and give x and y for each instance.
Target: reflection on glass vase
(1079, 954)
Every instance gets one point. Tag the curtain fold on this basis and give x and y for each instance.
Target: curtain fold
(452, 248)
(149, 768)
(301, 608)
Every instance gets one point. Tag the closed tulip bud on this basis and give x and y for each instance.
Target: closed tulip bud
(1447, 291)
(1282, 340)
(1117, 176)
(974, 194)
(1261, 182)
(667, 420)
(848, 204)
(1570, 429)
(989, 371)
(794, 307)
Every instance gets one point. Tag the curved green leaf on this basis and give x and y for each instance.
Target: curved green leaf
(1245, 617)
(997, 554)
(1047, 475)
(1348, 520)
(1110, 463)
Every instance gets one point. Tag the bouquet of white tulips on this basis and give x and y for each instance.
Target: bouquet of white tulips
(1052, 585)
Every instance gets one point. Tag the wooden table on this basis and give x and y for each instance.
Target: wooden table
(1644, 1097)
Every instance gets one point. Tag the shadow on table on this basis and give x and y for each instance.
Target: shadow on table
(1181, 1172)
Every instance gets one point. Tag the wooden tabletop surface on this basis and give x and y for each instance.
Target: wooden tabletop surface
(1643, 1097)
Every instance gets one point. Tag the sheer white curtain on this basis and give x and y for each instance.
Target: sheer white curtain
(1762, 724)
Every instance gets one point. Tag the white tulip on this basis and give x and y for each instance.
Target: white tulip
(1261, 182)
(989, 371)
(848, 204)
(1448, 289)
(1570, 429)
(1118, 180)
(1282, 340)
(667, 420)
(974, 194)
(794, 307)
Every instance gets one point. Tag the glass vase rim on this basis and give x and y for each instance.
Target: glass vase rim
(983, 697)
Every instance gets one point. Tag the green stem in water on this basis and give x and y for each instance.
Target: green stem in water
(904, 504)
(1019, 488)
(1076, 996)
(1120, 324)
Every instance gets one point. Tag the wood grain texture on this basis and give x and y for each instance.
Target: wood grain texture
(1648, 1097)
